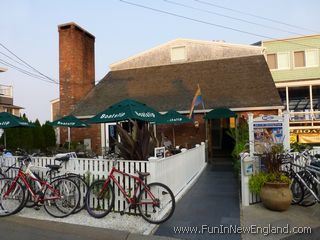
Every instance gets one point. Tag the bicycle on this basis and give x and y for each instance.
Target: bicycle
(60, 197)
(51, 174)
(155, 201)
(304, 184)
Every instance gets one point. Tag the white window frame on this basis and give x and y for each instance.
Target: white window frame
(316, 51)
(289, 61)
(185, 53)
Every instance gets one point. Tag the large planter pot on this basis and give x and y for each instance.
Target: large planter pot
(276, 196)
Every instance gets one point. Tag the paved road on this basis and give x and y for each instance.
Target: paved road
(212, 201)
(17, 228)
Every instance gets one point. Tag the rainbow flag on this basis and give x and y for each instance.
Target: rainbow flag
(197, 100)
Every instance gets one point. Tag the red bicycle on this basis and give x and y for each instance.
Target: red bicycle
(60, 197)
(155, 201)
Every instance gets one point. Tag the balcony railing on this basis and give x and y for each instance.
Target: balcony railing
(306, 116)
(6, 91)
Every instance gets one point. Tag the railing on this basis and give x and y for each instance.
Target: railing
(307, 115)
(175, 171)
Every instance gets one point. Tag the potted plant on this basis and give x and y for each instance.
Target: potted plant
(272, 185)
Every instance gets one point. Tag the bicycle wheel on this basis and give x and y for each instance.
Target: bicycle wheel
(11, 196)
(156, 203)
(309, 192)
(29, 202)
(297, 190)
(83, 187)
(99, 199)
(61, 198)
(296, 187)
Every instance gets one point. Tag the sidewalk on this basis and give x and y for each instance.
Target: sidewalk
(295, 216)
(213, 201)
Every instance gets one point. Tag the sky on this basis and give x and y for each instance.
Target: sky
(28, 28)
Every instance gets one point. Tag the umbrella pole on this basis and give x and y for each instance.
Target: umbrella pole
(5, 138)
(173, 137)
(69, 137)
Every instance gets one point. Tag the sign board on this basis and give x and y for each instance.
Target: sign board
(268, 128)
(305, 135)
(159, 152)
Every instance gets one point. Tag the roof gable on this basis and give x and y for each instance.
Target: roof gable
(197, 50)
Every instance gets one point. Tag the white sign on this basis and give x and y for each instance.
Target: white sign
(159, 152)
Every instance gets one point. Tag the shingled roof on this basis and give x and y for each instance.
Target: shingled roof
(234, 83)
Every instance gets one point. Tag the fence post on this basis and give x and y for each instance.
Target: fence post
(245, 193)
(152, 169)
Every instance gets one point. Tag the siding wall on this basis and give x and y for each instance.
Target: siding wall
(291, 45)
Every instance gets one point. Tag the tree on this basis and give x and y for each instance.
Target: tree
(39, 137)
(49, 135)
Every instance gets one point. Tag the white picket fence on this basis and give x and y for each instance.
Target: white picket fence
(175, 171)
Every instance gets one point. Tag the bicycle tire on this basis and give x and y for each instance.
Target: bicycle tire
(6, 183)
(296, 187)
(99, 203)
(29, 203)
(145, 209)
(297, 190)
(83, 187)
(68, 194)
(309, 200)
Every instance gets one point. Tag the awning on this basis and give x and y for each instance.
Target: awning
(219, 113)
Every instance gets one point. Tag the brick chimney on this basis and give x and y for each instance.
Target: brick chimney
(77, 77)
(76, 65)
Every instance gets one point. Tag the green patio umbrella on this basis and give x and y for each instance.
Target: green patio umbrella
(69, 121)
(125, 110)
(219, 113)
(7, 120)
(173, 117)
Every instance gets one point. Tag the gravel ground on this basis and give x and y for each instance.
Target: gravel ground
(129, 223)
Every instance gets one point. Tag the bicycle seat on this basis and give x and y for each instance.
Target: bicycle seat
(53, 167)
(142, 174)
(62, 158)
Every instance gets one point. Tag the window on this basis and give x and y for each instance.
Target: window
(178, 53)
(299, 59)
(312, 58)
(283, 60)
(272, 61)
(307, 58)
(278, 60)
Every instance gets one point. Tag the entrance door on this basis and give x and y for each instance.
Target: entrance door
(216, 134)
(222, 143)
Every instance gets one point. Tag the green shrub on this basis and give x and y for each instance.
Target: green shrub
(258, 180)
